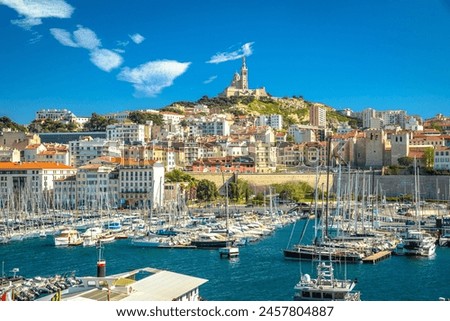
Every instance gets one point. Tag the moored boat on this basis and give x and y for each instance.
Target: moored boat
(416, 243)
(68, 237)
(325, 287)
(229, 251)
(211, 241)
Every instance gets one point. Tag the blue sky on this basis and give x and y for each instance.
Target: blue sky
(109, 55)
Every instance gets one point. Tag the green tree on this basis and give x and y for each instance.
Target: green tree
(207, 190)
(239, 190)
(405, 161)
(51, 126)
(296, 191)
(5, 122)
(98, 123)
(177, 176)
(428, 157)
(258, 199)
(140, 117)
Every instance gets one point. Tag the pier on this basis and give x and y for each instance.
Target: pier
(377, 257)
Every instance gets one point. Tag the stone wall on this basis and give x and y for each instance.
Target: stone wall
(261, 179)
(431, 187)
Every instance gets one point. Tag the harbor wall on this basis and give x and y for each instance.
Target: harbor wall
(431, 187)
(264, 179)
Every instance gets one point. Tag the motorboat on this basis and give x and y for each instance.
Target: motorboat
(417, 243)
(211, 241)
(325, 287)
(68, 237)
(229, 251)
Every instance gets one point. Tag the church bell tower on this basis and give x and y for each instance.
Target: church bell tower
(244, 75)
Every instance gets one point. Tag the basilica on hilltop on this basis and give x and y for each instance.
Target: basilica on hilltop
(239, 85)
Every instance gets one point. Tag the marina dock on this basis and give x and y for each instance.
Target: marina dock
(377, 257)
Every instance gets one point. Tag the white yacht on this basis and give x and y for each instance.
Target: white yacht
(325, 287)
(91, 235)
(416, 242)
(69, 237)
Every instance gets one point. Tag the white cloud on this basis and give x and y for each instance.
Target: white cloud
(26, 23)
(86, 38)
(36, 38)
(82, 37)
(151, 78)
(31, 12)
(244, 50)
(64, 37)
(210, 79)
(105, 59)
(137, 38)
(122, 43)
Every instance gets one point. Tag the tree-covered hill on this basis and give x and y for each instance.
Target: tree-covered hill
(295, 110)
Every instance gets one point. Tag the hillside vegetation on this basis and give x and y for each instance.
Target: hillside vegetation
(295, 110)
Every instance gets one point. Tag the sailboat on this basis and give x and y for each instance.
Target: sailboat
(229, 250)
(151, 239)
(416, 242)
(322, 247)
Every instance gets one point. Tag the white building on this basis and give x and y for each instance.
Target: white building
(119, 116)
(413, 124)
(442, 158)
(30, 182)
(55, 114)
(141, 184)
(97, 187)
(9, 154)
(380, 119)
(127, 133)
(217, 126)
(87, 148)
(343, 128)
(275, 121)
(171, 118)
(302, 133)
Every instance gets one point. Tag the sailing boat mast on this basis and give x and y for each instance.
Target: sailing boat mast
(416, 192)
(328, 183)
(316, 199)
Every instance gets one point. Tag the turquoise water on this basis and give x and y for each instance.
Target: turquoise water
(260, 273)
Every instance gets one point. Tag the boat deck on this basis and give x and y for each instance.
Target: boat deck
(376, 257)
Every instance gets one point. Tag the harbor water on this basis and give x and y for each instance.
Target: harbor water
(260, 273)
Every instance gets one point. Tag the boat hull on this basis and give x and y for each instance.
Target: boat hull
(312, 254)
(216, 244)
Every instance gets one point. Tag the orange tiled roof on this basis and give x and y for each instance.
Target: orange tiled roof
(33, 146)
(33, 165)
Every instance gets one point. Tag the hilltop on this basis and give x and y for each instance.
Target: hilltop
(295, 110)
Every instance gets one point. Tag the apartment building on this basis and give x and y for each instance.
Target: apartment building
(87, 148)
(126, 133)
(442, 158)
(55, 115)
(141, 183)
(318, 115)
(30, 184)
(264, 155)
